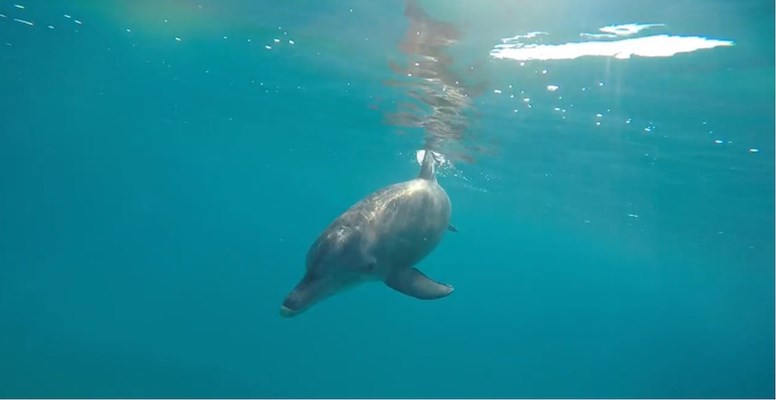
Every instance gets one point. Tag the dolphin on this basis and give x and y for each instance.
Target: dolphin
(380, 238)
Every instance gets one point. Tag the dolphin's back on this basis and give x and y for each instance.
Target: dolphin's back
(401, 223)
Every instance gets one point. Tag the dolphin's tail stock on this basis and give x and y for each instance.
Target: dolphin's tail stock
(427, 167)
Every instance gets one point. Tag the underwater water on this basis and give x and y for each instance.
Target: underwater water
(165, 166)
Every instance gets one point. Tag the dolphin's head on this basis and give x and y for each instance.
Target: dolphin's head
(313, 288)
(335, 262)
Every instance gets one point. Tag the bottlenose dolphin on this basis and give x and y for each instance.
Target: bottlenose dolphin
(380, 238)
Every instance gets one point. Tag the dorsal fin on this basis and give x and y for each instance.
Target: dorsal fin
(427, 167)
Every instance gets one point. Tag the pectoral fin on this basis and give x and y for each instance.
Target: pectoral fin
(452, 228)
(414, 283)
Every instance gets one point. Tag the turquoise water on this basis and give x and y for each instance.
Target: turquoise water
(159, 196)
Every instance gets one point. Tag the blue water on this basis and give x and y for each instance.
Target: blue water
(158, 196)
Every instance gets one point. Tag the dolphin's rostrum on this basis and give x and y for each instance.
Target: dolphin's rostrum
(380, 238)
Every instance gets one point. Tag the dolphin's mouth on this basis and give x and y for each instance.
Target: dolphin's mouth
(287, 312)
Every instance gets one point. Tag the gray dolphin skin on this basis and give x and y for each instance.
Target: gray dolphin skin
(380, 238)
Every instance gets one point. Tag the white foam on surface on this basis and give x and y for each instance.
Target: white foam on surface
(647, 46)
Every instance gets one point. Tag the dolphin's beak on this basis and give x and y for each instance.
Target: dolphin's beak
(306, 293)
(310, 291)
